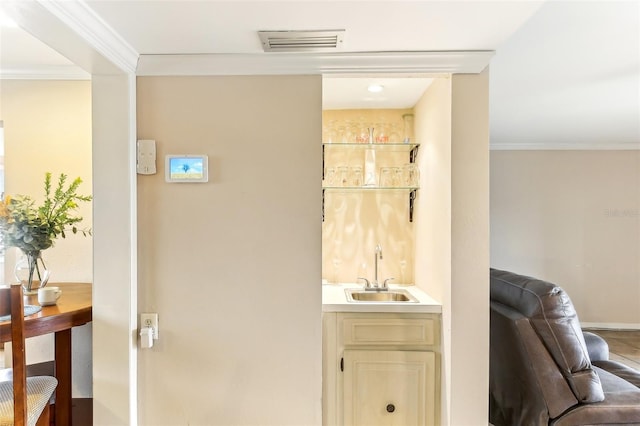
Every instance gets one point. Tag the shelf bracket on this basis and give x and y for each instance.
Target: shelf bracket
(412, 197)
(412, 154)
(323, 162)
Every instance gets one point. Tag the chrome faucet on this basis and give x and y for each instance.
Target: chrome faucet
(377, 255)
(375, 285)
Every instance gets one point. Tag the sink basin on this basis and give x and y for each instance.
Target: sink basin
(357, 295)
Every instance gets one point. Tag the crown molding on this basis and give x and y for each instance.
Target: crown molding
(564, 146)
(45, 72)
(80, 18)
(471, 62)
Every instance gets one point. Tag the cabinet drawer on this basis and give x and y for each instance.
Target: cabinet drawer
(389, 331)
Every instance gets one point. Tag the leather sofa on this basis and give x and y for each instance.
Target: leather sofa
(544, 370)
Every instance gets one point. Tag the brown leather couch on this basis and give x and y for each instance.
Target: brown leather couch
(544, 370)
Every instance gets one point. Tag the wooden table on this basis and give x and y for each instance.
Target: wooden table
(73, 309)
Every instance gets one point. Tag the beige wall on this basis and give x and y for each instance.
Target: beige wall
(572, 217)
(452, 235)
(469, 248)
(433, 203)
(355, 222)
(433, 213)
(48, 128)
(232, 266)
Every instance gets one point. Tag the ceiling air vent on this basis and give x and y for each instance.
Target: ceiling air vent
(301, 41)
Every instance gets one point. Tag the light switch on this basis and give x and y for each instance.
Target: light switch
(146, 162)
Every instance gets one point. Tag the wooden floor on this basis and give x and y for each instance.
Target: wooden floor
(624, 345)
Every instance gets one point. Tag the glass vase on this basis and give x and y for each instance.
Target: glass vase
(408, 128)
(31, 271)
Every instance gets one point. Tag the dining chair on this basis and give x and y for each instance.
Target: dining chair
(24, 401)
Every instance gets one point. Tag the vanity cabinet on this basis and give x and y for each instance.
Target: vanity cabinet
(381, 368)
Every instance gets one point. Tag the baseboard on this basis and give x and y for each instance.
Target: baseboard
(611, 325)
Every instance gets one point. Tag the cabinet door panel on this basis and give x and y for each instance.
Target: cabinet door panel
(389, 388)
(385, 331)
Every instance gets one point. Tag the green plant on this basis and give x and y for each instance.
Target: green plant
(34, 228)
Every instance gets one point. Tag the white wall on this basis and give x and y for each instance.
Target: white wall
(48, 128)
(572, 218)
(115, 286)
(233, 266)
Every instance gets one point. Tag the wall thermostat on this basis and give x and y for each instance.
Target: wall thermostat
(186, 168)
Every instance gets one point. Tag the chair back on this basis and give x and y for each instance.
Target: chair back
(11, 302)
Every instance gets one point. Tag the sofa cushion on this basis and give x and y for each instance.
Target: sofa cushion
(621, 405)
(625, 372)
(554, 318)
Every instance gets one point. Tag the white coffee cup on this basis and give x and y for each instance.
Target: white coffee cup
(48, 295)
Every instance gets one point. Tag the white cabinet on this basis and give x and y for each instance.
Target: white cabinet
(389, 388)
(381, 369)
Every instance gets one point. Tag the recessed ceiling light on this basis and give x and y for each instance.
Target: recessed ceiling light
(375, 88)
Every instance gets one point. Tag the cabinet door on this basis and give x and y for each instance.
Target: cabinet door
(389, 388)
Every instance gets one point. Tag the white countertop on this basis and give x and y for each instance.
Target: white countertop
(334, 299)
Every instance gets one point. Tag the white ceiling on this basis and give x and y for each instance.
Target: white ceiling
(231, 26)
(570, 77)
(353, 93)
(565, 73)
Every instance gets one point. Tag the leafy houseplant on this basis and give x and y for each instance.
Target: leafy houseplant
(34, 228)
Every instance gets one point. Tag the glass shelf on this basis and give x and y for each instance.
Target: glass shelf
(370, 188)
(410, 148)
(410, 190)
(395, 146)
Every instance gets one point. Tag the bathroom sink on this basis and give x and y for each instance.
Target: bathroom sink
(357, 295)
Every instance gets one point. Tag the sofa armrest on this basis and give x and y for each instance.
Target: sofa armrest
(597, 347)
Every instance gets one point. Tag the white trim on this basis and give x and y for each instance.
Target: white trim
(611, 325)
(79, 17)
(45, 72)
(133, 250)
(468, 62)
(564, 146)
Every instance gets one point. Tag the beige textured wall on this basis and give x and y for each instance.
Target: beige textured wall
(573, 218)
(232, 266)
(433, 204)
(356, 221)
(433, 213)
(48, 128)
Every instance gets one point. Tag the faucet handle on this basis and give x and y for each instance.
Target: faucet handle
(384, 283)
(367, 284)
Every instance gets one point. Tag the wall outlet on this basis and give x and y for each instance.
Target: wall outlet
(150, 320)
